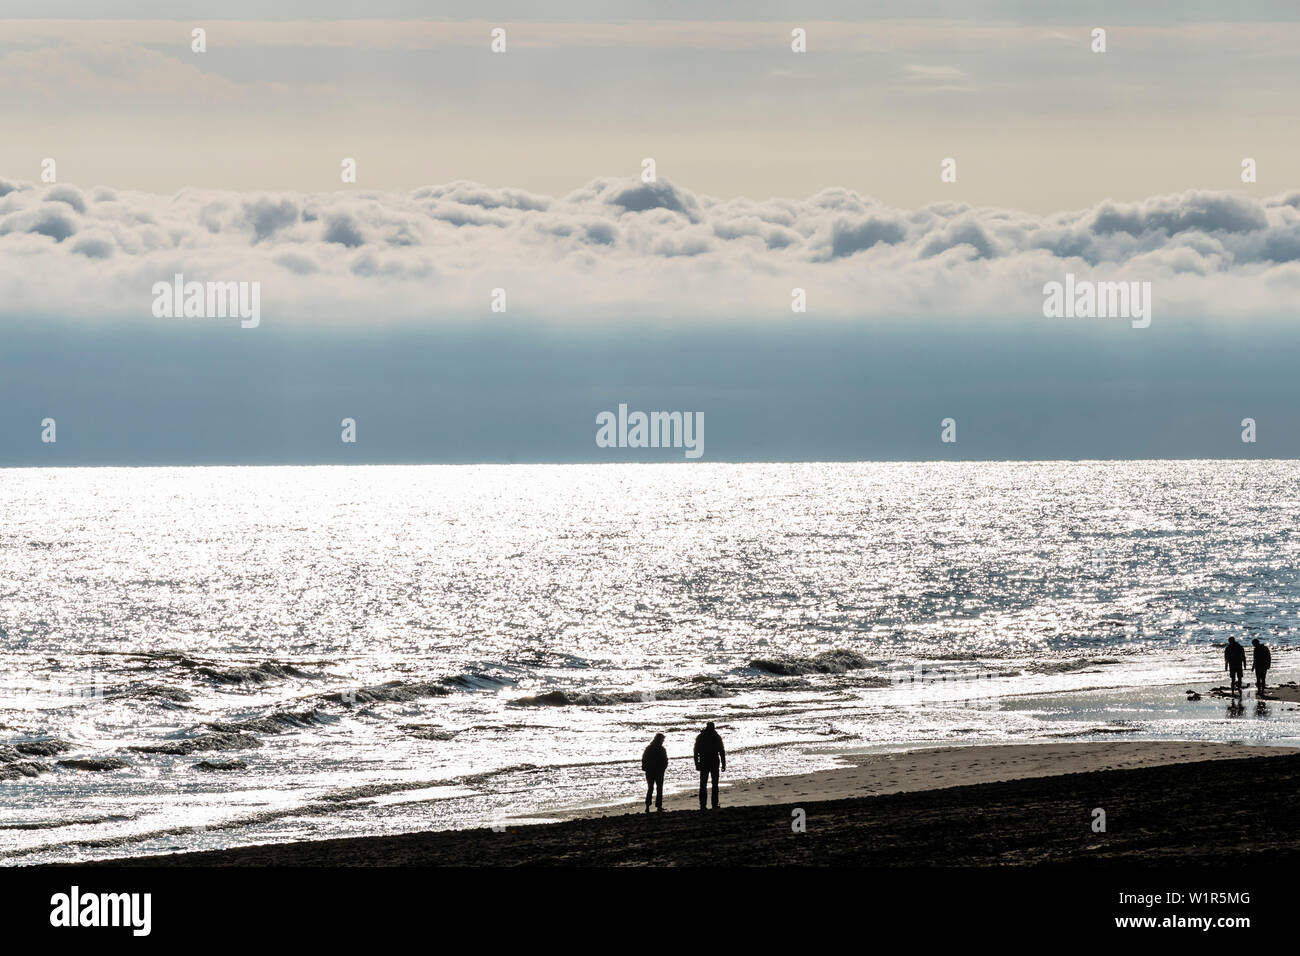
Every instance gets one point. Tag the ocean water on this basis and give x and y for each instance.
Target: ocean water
(379, 649)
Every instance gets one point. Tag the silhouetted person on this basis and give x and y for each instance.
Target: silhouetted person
(1234, 662)
(1260, 661)
(654, 761)
(710, 758)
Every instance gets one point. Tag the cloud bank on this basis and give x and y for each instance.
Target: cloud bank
(621, 248)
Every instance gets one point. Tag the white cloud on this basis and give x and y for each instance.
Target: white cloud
(618, 248)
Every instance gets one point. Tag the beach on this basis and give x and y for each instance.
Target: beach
(936, 768)
(1164, 803)
(359, 514)
(412, 671)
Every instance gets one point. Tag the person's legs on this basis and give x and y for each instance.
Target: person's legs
(713, 772)
(649, 790)
(704, 787)
(659, 792)
(1260, 676)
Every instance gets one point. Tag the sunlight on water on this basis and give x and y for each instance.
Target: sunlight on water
(262, 654)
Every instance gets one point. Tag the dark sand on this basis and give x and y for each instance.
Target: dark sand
(1210, 812)
(930, 768)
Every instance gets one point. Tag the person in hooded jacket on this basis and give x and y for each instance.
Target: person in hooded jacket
(654, 761)
(710, 758)
(1234, 662)
(1261, 659)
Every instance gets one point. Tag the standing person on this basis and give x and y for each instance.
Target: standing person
(1260, 661)
(710, 758)
(654, 761)
(1234, 662)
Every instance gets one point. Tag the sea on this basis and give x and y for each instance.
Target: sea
(205, 657)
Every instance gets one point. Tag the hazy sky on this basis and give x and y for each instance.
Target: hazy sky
(520, 172)
(711, 90)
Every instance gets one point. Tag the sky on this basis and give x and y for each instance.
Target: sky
(517, 178)
(1036, 120)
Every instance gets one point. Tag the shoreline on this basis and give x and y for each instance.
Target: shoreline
(921, 803)
(941, 767)
(935, 765)
(1095, 737)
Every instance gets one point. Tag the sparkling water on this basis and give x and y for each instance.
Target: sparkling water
(224, 656)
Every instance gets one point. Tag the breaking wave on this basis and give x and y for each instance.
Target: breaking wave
(39, 748)
(428, 732)
(94, 764)
(159, 692)
(566, 698)
(394, 690)
(258, 674)
(274, 723)
(478, 681)
(220, 765)
(215, 741)
(26, 768)
(1069, 665)
(837, 661)
(15, 766)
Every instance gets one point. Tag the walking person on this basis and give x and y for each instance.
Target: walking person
(654, 761)
(710, 759)
(1234, 662)
(1261, 659)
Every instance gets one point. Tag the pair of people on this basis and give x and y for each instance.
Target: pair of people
(710, 760)
(1234, 662)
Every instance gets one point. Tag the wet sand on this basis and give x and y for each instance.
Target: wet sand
(1165, 803)
(934, 768)
(1289, 692)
